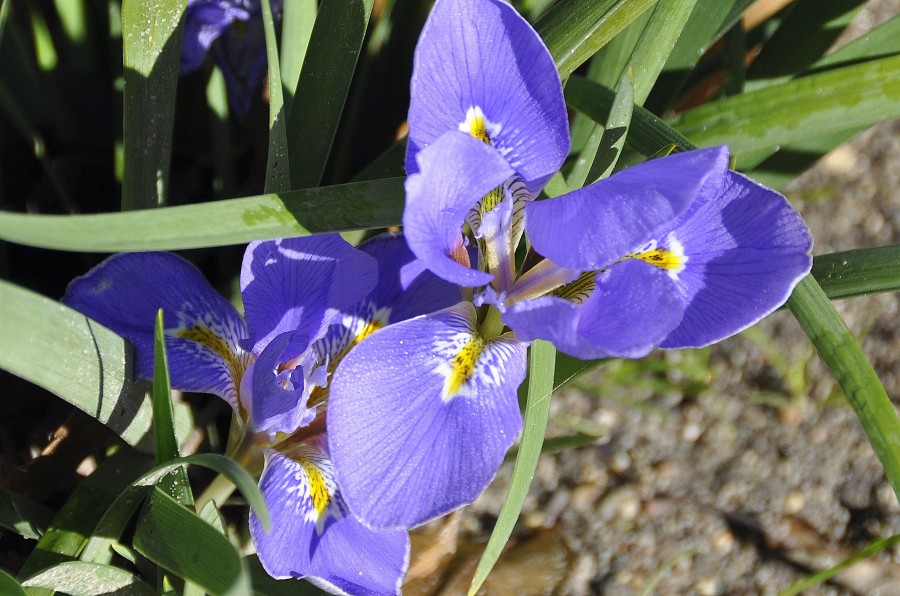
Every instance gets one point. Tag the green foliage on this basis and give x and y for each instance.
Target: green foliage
(61, 65)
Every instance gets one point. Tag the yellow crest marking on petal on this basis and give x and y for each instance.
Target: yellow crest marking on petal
(207, 338)
(478, 130)
(477, 125)
(662, 258)
(318, 489)
(579, 290)
(462, 366)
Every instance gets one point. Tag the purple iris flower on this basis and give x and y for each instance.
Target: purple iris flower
(307, 301)
(675, 252)
(233, 29)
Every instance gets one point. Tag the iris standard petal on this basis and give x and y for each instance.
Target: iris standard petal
(421, 415)
(478, 59)
(632, 307)
(455, 172)
(203, 331)
(405, 285)
(314, 536)
(591, 228)
(746, 248)
(300, 284)
(279, 385)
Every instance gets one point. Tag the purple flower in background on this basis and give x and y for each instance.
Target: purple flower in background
(675, 252)
(233, 30)
(307, 302)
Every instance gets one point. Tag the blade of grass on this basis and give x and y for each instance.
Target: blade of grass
(853, 96)
(23, 516)
(181, 542)
(297, 21)
(657, 40)
(817, 24)
(278, 174)
(357, 206)
(647, 133)
(882, 41)
(575, 29)
(91, 364)
(163, 416)
(9, 585)
(858, 272)
(175, 484)
(853, 372)
(151, 36)
(606, 67)
(600, 154)
(79, 516)
(88, 579)
(538, 387)
(815, 579)
(119, 512)
(336, 39)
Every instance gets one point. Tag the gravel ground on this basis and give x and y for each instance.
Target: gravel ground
(743, 473)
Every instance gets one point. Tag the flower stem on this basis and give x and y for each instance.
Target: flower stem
(492, 325)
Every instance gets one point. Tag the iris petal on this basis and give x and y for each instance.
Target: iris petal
(279, 385)
(313, 535)
(591, 228)
(633, 307)
(746, 249)
(421, 415)
(455, 172)
(203, 331)
(405, 289)
(483, 55)
(300, 284)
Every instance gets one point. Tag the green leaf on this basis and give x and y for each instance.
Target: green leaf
(328, 68)
(151, 37)
(119, 512)
(357, 206)
(175, 484)
(78, 519)
(179, 541)
(556, 444)
(647, 133)
(606, 67)
(89, 579)
(278, 175)
(600, 154)
(163, 416)
(853, 372)
(858, 272)
(22, 515)
(805, 34)
(882, 41)
(709, 20)
(297, 19)
(265, 585)
(9, 585)
(91, 364)
(831, 101)
(575, 29)
(657, 40)
(815, 579)
(538, 387)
